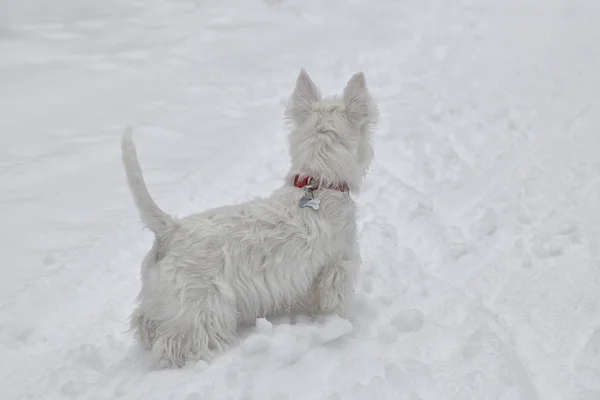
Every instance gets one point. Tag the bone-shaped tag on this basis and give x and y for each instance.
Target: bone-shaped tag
(312, 203)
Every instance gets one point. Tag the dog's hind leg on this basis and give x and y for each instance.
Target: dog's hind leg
(204, 328)
(219, 317)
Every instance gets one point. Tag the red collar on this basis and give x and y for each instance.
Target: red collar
(302, 182)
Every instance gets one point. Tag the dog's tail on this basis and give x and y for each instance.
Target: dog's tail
(155, 219)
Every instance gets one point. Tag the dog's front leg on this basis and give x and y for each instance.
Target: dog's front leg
(333, 288)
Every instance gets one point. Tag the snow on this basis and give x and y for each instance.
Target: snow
(479, 222)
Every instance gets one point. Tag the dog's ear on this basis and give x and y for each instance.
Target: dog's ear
(305, 93)
(357, 99)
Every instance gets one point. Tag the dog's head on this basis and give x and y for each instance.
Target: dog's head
(331, 137)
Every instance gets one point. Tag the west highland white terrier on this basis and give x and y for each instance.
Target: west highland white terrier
(206, 274)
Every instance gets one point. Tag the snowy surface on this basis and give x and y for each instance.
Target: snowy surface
(480, 219)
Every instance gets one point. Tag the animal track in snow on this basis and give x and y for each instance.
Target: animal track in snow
(487, 225)
(554, 243)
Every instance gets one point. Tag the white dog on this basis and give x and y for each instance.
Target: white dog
(210, 272)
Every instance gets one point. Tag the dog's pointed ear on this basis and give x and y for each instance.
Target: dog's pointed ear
(305, 93)
(357, 99)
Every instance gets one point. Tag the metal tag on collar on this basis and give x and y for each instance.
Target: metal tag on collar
(308, 202)
(308, 199)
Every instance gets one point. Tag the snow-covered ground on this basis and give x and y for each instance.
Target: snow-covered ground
(480, 220)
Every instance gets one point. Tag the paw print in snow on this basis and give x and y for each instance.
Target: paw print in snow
(554, 244)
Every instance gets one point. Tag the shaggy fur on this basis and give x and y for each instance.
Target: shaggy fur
(210, 272)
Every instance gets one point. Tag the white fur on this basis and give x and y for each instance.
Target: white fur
(210, 272)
